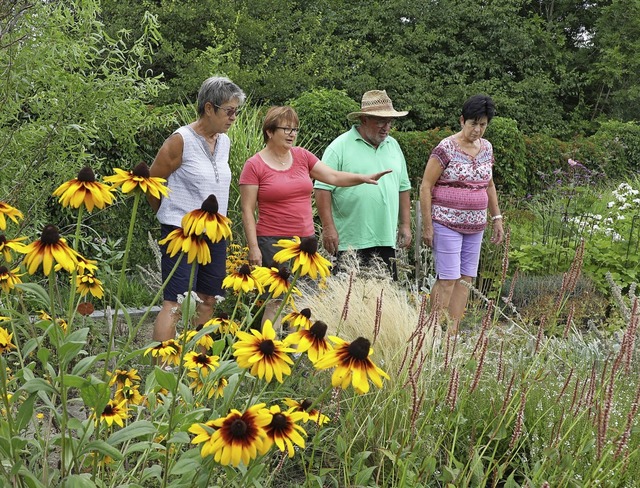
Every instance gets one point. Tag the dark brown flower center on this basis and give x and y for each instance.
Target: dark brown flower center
(3, 239)
(279, 422)
(244, 270)
(238, 428)
(284, 273)
(309, 245)
(267, 347)
(210, 205)
(142, 170)
(223, 315)
(201, 359)
(359, 349)
(108, 410)
(87, 175)
(306, 404)
(306, 312)
(319, 330)
(3, 270)
(50, 235)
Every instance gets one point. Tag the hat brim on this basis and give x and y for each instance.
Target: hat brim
(377, 113)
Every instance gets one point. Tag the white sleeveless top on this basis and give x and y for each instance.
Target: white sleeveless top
(200, 175)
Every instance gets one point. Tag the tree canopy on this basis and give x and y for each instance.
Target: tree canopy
(555, 66)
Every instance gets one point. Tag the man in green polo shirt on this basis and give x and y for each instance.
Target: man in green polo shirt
(369, 219)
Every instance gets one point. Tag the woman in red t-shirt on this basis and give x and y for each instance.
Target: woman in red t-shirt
(278, 181)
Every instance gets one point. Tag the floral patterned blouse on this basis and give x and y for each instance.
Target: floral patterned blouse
(459, 199)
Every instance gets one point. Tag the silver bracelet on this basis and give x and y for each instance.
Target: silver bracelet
(496, 217)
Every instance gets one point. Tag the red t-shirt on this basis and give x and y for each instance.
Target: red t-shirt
(284, 197)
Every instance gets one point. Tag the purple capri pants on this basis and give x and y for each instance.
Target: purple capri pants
(456, 254)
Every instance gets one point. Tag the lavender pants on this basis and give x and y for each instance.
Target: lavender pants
(455, 254)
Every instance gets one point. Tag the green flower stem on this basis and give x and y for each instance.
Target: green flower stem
(289, 292)
(123, 269)
(174, 393)
(133, 332)
(72, 287)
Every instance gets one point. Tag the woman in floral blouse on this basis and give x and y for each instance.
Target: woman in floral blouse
(457, 189)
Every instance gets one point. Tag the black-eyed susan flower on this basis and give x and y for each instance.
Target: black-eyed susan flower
(130, 395)
(305, 256)
(260, 351)
(8, 245)
(222, 325)
(203, 363)
(124, 378)
(115, 413)
(312, 341)
(352, 364)
(5, 340)
(219, 385)
(138, 178)
(242, 279)
(7, 210)
(275, 280)
(298, 319)
(86, 265)
(196, 247)
(62, 323)
(167, 351)
(283, 430)
(9, 278)
(207, 220)
(86, 283)
(205, 341)
(313, 414)
(236, 257)
(84, 190)
(238, 437)
(51, 248)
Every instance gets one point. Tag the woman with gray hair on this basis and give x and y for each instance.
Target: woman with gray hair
(195, 162)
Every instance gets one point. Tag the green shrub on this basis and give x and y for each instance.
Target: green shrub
(417, 147)
(620, 143)
(323, 116)
(509, 150)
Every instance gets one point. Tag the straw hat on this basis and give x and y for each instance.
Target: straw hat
(378, 104)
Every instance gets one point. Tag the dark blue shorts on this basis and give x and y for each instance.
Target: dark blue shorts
(207, 279)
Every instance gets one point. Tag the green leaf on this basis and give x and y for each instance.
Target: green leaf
(103, 448)
(72, 345)
(189, 462)
(37, 385)
(134, 430)
(83, 365)
(166, 379)
(78, 481)
(25, 412)
(36, 291)
(74, 381)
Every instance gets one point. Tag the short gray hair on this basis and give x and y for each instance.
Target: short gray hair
(218, 90)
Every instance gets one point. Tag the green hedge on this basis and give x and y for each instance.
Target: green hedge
(521, 160)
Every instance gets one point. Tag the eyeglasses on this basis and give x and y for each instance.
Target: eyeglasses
(289, 130)
(382, 122)
(229, 111)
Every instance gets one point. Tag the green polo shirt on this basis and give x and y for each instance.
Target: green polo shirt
(366, 215)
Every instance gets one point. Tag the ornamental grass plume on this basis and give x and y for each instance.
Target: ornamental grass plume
(138, 179)
(7, 210)
(206, 220)
(362, 291)
(84, 190)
